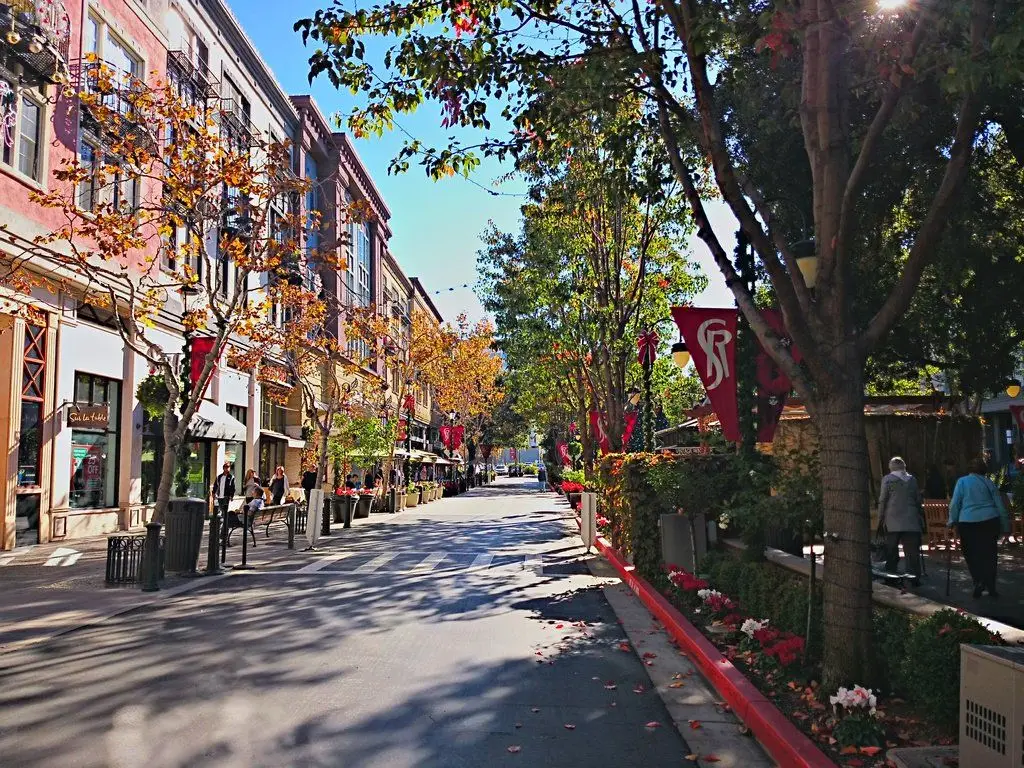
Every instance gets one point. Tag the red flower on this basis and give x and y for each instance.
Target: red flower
(569, 487)
(732, 619)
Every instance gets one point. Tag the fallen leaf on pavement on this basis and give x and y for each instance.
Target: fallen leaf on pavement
(870, 751)
(639, 688)
(855, 762)
(515, 748)
(559, 626)
(625, 647)
(570, 727)
(535, 709)
(653, 724)
(649, 655)
(692, 757)
(710, 759)
(610, 686)
(649, 663)
(848, 751)
(694, 724)
(676, 684)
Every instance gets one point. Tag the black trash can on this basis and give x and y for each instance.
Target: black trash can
(183, 532)
(392, 501)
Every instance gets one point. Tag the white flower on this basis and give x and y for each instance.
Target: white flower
(858, 697)
(707, 594)
(750, 626)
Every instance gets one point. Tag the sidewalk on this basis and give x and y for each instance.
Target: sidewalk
(49, 589)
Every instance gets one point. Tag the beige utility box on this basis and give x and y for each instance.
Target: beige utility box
(991, 706)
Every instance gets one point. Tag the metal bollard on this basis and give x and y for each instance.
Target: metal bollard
(213, 549)
(151, 558)
(291, 525)
(246, 518)
(325, 519)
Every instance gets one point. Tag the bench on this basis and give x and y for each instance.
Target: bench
(936, 513)
(266, 516)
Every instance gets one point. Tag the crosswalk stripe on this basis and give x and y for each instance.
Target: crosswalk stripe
(482, 561)
(431, 561)
(323, 562)
(534, 563)
(372, 565)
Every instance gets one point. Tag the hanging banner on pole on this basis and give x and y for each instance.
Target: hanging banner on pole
(446, 436)
(710, 335)
(773, 386)
(200, 348)
(631, 420)
(1018, 417)
(458, 433)
(563, 453)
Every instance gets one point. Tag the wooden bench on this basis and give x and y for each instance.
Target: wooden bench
(265, 516)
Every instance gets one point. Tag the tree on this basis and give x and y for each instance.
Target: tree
(862, 88)
(180, 211)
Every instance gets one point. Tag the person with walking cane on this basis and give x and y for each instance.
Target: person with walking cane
(979, 516)
(901, 517)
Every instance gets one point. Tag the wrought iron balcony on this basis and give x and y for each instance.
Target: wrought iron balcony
(37, 39)
(114, 89)
(237, 220)
(192, 81)
(235, 125)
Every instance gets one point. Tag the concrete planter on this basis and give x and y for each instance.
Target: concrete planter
(363, 505)
(412, 498)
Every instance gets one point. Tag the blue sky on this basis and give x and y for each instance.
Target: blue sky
(436, 224)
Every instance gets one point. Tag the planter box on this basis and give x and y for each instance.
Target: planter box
(363, 505)
(574, 498)
(412, 498)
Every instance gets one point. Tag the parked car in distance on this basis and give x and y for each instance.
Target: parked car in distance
(501, 469)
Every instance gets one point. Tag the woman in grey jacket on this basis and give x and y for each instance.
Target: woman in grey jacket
(901, 515)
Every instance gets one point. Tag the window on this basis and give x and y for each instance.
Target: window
(28, 138)
(21, 125)
(94, 450)
(32, 396)
(87, 188)
(238, 412)
(272, 416)
(97, 316)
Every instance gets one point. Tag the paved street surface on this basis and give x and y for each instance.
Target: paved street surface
(465, 633)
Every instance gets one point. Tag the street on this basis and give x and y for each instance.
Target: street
(464, 633)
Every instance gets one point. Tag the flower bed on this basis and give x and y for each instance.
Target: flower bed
(856, 725)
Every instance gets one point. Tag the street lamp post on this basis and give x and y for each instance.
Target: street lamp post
(647, 351)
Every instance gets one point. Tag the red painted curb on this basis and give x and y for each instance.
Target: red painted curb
(786, 743)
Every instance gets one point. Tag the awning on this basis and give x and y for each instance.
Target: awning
(442, 460)
(423, 456)
(293, 442)
(212, 422)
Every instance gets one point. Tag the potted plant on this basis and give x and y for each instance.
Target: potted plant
(344, 512)
(572, 492)
(412, 496)
(365, 501)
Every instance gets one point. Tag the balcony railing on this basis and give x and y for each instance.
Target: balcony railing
(114, 90)
(37, 36)
(193, 81)
(235, 125)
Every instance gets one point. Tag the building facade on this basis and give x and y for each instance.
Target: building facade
(83, 456)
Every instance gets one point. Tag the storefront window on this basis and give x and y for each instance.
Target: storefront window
(94, 450)
(234, 454)
(271, 456)
(199, 469)
(152, 457)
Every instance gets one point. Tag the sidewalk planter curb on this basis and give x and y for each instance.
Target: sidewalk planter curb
(412, 498)
(783, 741)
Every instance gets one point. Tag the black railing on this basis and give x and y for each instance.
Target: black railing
(38, 35)
(235, 124)
(114, 90)
(125, 553)
(192, 81)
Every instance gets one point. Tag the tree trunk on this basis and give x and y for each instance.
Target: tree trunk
(847, 574)
(163, 490)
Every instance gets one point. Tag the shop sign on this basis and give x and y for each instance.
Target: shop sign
(89, 416)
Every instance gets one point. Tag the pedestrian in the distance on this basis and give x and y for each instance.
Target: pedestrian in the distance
(251, 481)
(901, 516)
(224, 490)
(350, 481)
(308, 482)
(980, 517)
(278, 486)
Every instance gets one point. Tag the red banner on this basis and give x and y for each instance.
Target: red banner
(600, 435)
(403, 432)
(710, 335)
(200, 349)
(1017, 411)
(773, 386)
(563, 453)
(457, 434)
(409, 403)
(513, 455)
(631, 420)
(446, 436)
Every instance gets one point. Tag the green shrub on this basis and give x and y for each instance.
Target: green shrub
(530, 470)
(892, 631)
(931, 667)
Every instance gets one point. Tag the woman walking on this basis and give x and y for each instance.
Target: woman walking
(979, 516)
(251, 481)
(278, 486)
